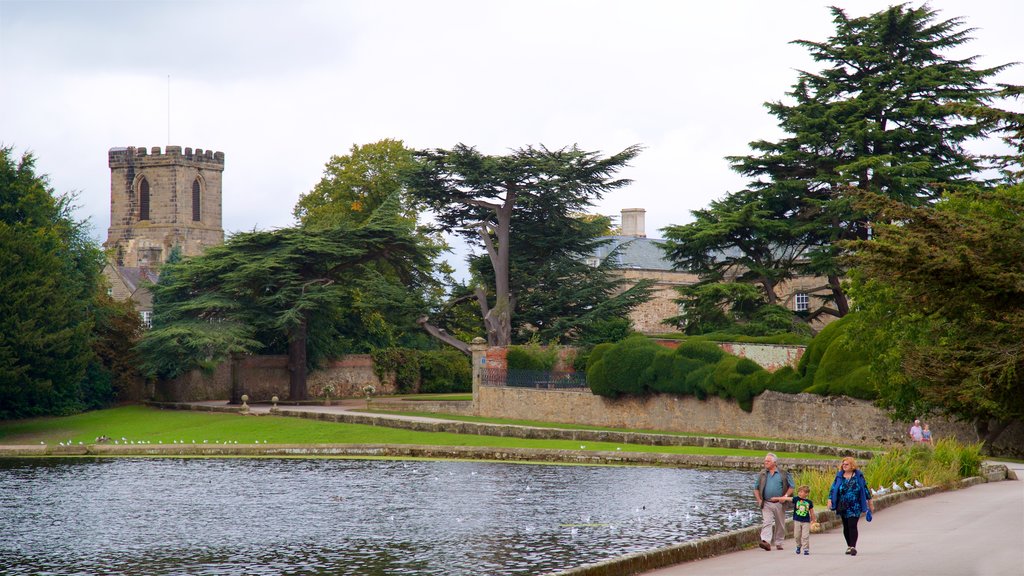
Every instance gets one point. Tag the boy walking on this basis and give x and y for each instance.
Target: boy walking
(803, 516)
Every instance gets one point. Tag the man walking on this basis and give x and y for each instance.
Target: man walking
(772, 483)
(916, 433)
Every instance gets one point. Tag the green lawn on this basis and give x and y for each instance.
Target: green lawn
(139, 423)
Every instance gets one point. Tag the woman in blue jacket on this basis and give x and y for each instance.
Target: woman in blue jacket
(850, 498)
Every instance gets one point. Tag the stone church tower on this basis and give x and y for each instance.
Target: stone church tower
(162, 200)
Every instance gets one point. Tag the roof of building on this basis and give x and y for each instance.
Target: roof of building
(136, 277)
(635, 253)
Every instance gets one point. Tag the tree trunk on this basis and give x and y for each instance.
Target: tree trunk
(297, 362)
(839, 296)
(236, 383)
(988, 431)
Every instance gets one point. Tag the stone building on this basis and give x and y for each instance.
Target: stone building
(639, 257)
(159, 201)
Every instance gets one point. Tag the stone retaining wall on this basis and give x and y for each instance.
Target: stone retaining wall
(828, 419)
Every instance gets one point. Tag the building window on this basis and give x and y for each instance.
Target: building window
(196, 213)
(801, 301)
(110, 292)
(144, 200)
(147, 319)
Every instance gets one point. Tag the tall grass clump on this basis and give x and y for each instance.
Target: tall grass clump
(943, 465)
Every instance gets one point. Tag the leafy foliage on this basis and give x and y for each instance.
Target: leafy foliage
(49, 280)
(887, 113)
(312, 293)
(638, 366)
(118, 329)
(531, 357)
(521, 209)
(445, 371)
(942, 305)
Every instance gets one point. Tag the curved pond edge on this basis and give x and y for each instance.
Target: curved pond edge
(746, 538)
(398, 451)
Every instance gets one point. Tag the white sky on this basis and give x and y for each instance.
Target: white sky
(280, 86)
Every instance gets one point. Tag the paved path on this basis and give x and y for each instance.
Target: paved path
(337, 407)
(974, 531)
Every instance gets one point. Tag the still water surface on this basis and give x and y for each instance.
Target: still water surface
(311, 517)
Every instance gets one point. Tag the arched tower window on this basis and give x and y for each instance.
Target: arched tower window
(144, 199)
(196, 197)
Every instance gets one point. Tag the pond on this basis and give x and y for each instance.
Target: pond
(176, 516)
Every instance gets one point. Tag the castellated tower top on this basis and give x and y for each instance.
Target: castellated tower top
(159, 200)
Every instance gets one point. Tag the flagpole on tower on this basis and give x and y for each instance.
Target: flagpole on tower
(168, 109)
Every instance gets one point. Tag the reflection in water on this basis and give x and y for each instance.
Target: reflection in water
(365, 517)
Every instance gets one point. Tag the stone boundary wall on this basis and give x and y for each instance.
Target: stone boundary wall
(263, 377)
(458, 407)
(771, 357)
(799, 417)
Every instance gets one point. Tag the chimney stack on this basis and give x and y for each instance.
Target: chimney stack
(633, 222)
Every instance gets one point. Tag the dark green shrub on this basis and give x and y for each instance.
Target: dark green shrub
(843, 369)
(786, 380)
(700, 381)
(401, 363)
(622, 367)
(626, 363)
(579, 361)
(597, 379)
(597, 352)
(531, 357)
(445, 371)
(706, 352)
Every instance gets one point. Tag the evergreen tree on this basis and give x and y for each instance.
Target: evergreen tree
(292, 290)
(887, 113)
(559, 297)
(49, 277)
(940, 298)
(519, 208)
(353, 187)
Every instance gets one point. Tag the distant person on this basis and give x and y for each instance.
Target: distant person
(850, 497)
(803, 516)
(926, 435)
(916, 434)
(772, 483)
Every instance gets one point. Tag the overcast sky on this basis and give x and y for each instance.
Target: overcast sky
(280, 86)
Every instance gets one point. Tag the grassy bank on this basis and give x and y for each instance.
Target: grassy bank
(943, 465)
(144, 424)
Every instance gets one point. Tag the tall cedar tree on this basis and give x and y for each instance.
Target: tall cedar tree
(888, 113)
(290, 289)
(494, 201)
(940, 300)
(560, 297)
(49, 278)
